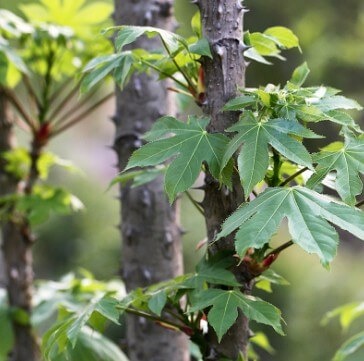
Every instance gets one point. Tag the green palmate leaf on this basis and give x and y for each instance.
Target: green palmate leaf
(225, 305)
(92, 346)
(192, 145)
(349, 347)
(118, 65)
(78, 15)
(253, 159)
(307, 213)
(128, 34)
(348, 162)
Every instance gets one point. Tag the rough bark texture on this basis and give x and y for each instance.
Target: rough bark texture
(17, 254)
(222, 22)
(150, 229)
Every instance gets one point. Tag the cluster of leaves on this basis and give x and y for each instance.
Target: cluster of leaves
(68, 297)
(180, 58)
(44, 198)
(347, 314)
(165, 303)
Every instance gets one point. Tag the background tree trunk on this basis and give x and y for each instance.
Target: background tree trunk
(17, 256)
(222, 22)
(150, 229)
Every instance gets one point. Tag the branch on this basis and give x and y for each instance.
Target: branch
(293, 176)
(192, 86)
(63, 103)
(31, 91)
(153, 318)
(195, 203)
(77, 119)
(19, 107)
(78, 105)
(279, 249)
(360, 203)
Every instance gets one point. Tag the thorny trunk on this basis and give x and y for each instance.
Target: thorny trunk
(17, 253)
(222, 22)
(150, 230)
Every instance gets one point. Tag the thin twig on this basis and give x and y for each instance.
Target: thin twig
(77, 107)
(63, 103)
(19, 107)
(197, 206)
(293, 176)
(31, 91)
(80, 117)
(164, 73)
(152, 317)
(280, 248)
(192, 86)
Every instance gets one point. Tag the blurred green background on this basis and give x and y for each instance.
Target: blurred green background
(331, 34)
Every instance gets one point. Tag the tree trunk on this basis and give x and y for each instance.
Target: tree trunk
(150, 230)
(222, 22)
(17, 254)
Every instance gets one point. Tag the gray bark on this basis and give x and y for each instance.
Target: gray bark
(222, 22)
(150, 230)
(17, 256)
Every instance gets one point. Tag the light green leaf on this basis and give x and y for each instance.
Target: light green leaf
(253, 159)
(263, 44)
(337, 102)
(201, 47)
(253, 54)
(300, 75)
(349, 347)
(307, 213)
(128, 34)
(347, 162)
(225, 305)
(285, 37)
(347, 314)
(192, 145)
(261, 340)
(196, 24)
(118, 65)
(6, 331)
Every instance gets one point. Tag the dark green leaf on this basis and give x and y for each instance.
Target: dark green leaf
(192, 145)
(253, 159)
(225, 305)
(347, 162)
(157, 302)
(349, 347)
(307, 213)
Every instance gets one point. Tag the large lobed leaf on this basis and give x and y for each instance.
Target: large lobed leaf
(225, 305)
(307, 213)
(255, 138)
(348, 162)
(190, 145)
